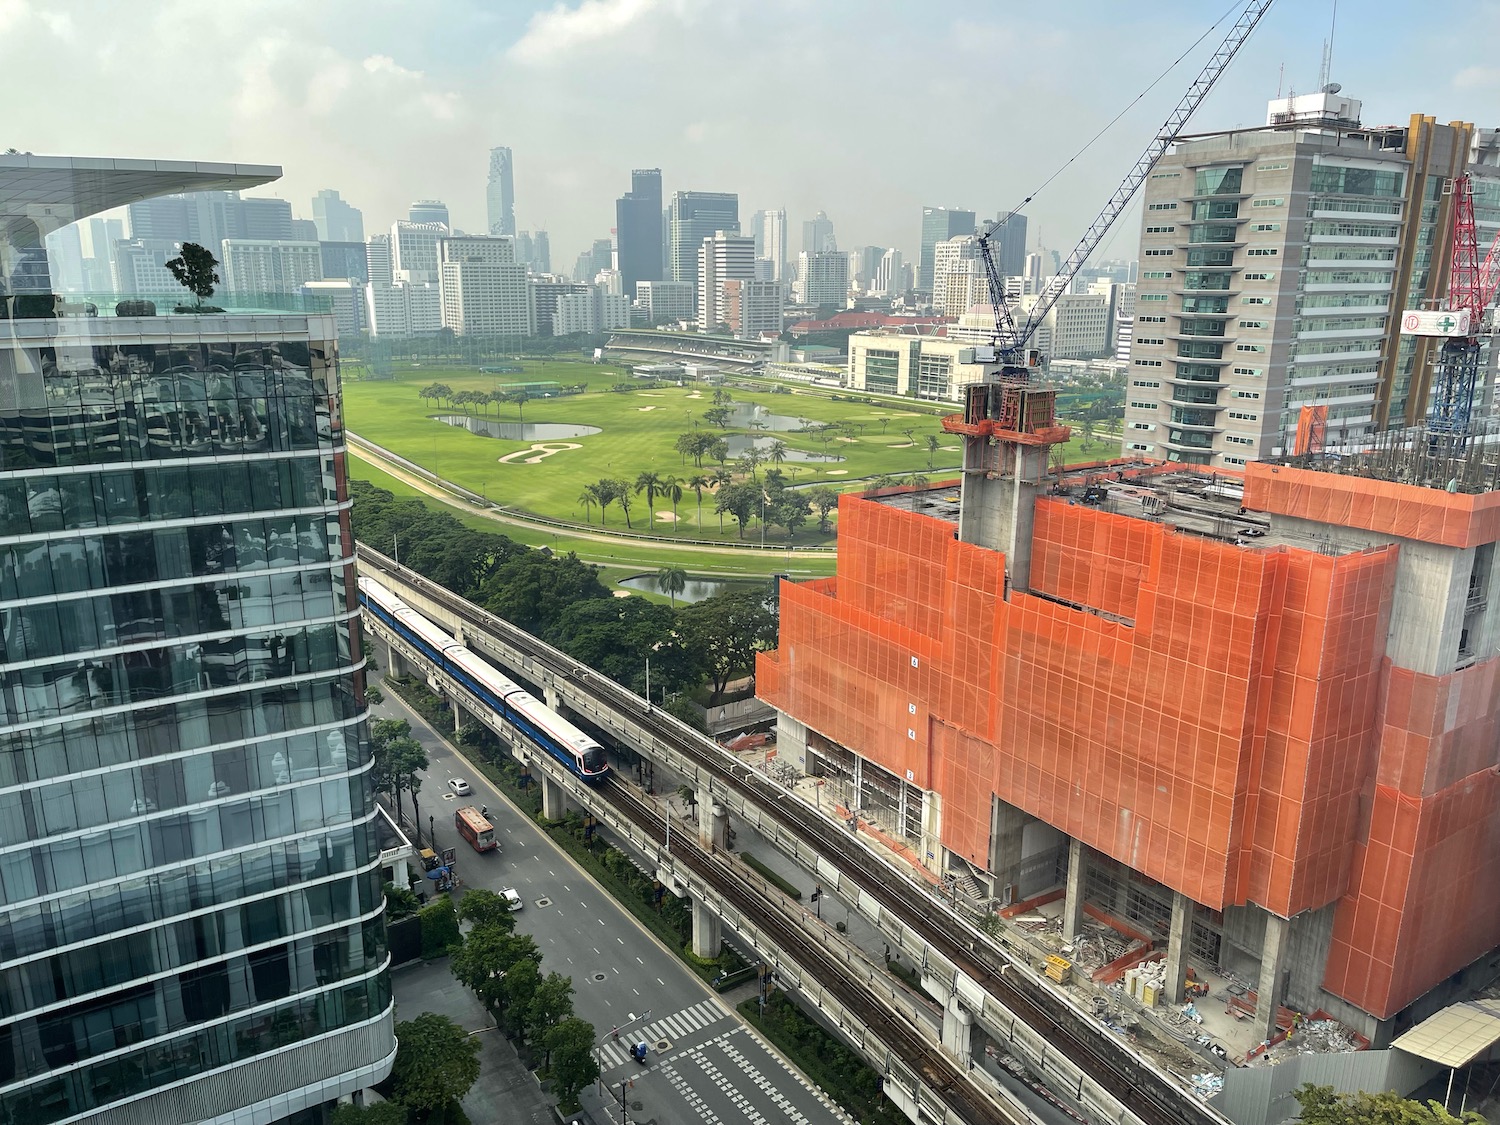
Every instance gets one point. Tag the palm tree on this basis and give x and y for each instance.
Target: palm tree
(622, 494)
(698, 482)
(520, 398)
(751, 459)
(588, 498)
(650, 483)
(671, 489)
(932, 448)
(671, 580)
(604, 495)
(777, 451)
(498, 397)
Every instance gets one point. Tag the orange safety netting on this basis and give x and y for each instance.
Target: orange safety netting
(1208, 714)
(1454, 519)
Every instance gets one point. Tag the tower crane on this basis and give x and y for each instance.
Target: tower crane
(1471, 288)
(1011, 340)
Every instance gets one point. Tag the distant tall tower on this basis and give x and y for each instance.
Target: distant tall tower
(938, 225)
(336, 220)
(696, 215)
(817, 234)
(1011, 240)
(500, 195)
(769, 229)
(429, 211)
(638, 229)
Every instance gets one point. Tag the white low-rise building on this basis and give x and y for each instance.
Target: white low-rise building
(929, 367)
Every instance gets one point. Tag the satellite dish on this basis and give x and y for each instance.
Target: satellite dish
(1332, 88)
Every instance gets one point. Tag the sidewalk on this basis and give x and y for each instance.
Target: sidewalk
(506, 1092)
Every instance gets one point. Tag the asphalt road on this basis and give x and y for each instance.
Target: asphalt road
(703, 1065)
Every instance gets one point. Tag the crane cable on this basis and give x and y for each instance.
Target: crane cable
(1115, 120)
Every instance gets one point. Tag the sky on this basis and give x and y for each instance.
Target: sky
(867, 110)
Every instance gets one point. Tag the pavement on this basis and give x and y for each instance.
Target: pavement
(506, 1091)
(704, 1066)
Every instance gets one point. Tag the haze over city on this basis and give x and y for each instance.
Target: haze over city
(867, 112)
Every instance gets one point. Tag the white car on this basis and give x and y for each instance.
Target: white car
(459, 786)
(512, 899)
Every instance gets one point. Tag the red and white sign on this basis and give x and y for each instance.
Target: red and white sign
(1415, 322)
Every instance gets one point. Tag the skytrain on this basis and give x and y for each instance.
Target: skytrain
(527, 715)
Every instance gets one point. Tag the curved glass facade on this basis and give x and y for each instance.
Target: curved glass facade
(188, 868)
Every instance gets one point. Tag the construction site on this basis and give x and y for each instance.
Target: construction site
(1215, 738)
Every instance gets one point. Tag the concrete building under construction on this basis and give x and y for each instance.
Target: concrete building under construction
(1255, 716)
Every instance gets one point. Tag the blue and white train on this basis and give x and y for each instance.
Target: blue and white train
(526, 714)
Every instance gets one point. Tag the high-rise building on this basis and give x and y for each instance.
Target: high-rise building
(817, 234)
(1010, 244)
(864, 264)
(545, 294)
(429, 211)
(724, 256)
(209, 217)
(346, 259)
(597, 258)
(592, 310)
(638, 229)
(822, 278)
(665, 300)
(1254, 717)
(694, 216)
(252, 266)
(938, 225)
(65, 252)
(1274, 264)
(483, 288)
(414, 248)
(754, 307)
(99, 237)
(191, 913)
(769, 230)
(304, 230)
(534, 251)
(344, 298)
(1077, 324)
(379, 266)
(958, 255)
(337, 220)
(140, 268)
(500, 193)
(889, 276)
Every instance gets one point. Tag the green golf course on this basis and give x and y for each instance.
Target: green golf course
(810, 438)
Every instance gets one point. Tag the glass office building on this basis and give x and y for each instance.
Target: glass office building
(191, 915)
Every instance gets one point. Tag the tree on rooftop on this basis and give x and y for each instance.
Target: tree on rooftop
(194, 268)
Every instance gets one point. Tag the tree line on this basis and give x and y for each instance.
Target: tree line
(560, 599)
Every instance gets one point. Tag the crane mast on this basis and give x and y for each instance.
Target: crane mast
(1011, 340)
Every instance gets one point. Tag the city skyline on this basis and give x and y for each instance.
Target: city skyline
(393, 116)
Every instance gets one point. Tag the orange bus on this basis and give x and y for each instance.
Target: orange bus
(475, 829)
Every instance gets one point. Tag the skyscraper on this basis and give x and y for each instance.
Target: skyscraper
(823, 278)
(191, 912)
(817, 234)
(1010, 240)
(696, 215)
(938, 225)
(337, 221)
(638, 229)
(724, 257)
(769, 229)
(209, 217)
(500, 193)
(429, 211)
(276, 266)
(414, 248)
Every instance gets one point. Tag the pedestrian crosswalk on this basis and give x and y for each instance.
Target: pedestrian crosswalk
(679, 1025)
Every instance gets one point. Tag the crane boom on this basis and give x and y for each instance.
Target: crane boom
(1011, 340)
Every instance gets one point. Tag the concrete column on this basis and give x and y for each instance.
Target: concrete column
(1272, 962)
(551, 697)
(708, 935)
(1006, 848)
(460, 716)
(713, 823)
(554, 799)
(1177, 942)
(395, 663)
(1072, 919)
(958, 1031)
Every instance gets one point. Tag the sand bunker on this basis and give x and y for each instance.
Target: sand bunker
(644, 408)
(667, 516)
(539, 452)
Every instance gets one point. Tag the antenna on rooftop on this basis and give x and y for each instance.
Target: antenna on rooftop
(1328, 51)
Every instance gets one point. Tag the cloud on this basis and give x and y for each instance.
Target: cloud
(553, 34)
(1476, 78)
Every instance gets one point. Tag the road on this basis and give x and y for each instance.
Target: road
(704, 1066)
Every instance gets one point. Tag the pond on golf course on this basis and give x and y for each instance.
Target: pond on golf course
(738, 443)
(747, 416)
(517, 431)
(695, 591)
